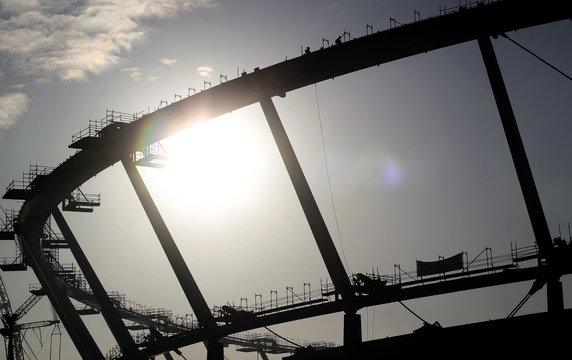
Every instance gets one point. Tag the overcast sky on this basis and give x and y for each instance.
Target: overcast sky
(407, 160)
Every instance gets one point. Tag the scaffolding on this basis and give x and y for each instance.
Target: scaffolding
(153, 155)
(8, 233)
(97, 129)
(463, 5)
(370, 282)
(79, 201)
(111, 117)
(19, 189)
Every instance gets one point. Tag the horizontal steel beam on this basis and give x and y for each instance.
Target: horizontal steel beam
(383, 297)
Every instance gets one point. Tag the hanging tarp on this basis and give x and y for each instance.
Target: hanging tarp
(454, 262)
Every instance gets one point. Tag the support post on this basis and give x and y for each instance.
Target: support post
(555, 296)
(110, 314)
(313, 216)
(78, 332)
(186, 280)
(352, 330)
(215, 350)
(523, 171)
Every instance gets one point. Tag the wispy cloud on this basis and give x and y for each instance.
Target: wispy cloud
(12, 107)
(138, 74)
(204, 71)
(168, 61)
(73, 39)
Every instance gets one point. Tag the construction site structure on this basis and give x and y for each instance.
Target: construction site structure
(118, 138)
(13, 329)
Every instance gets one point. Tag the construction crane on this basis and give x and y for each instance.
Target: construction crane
(12, 330)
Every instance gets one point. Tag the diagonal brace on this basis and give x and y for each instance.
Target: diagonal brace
(110, 314)
(186, 280)
(311, 210)
(555, 301)
(78, 332)
(517, 151)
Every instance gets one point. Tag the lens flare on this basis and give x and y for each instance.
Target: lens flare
(211, 166)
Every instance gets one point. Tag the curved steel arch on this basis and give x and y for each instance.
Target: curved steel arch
(118, 142)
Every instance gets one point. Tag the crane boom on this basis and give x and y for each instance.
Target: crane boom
(5, 306)
(36, 324)
(27, 305)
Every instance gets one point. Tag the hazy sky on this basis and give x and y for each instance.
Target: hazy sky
(407, 160)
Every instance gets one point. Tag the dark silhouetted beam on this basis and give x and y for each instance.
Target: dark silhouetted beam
(523, 171)
(508, 338)
(188, 284)
(112, 318)
(31, 219)
(385, 297)
(516, 146)
(334, 61)
(311, 210)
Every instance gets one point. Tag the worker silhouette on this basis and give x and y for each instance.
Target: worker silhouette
(339, 40)
(307, 51)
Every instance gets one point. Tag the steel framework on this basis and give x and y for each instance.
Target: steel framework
(128, 139)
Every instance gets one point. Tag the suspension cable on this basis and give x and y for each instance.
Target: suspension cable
(536, 285)
(519, 305)
(536, 56)
(329, 180)
(411, 311)
(283, 338)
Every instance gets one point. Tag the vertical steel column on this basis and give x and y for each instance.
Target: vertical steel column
(215, 350)
(523, 171)
(352, 330)
(315, 220)
(82, 339)
(112, 318)
(188, 284)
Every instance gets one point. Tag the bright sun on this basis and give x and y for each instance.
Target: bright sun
(211, 165)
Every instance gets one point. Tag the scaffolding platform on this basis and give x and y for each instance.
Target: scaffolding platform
(87, 310)
(14, 267)
(153, 156)
(22, 189)
(137, 327)
(91, 138)
(17, 194)
(7, 235)
(36, 289)
(80, 202)
(54, 244)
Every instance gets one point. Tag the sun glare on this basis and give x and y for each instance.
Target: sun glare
(212, 165)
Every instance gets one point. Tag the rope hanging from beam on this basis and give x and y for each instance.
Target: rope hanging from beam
(329, 179)
(538, 57)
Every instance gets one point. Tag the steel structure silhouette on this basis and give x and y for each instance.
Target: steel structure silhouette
(132, 141)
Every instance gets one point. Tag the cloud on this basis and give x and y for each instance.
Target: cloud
(205, 70)
(134, 72)
(74, 39)
(168, 61)
(12, 107)
(138, 74)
